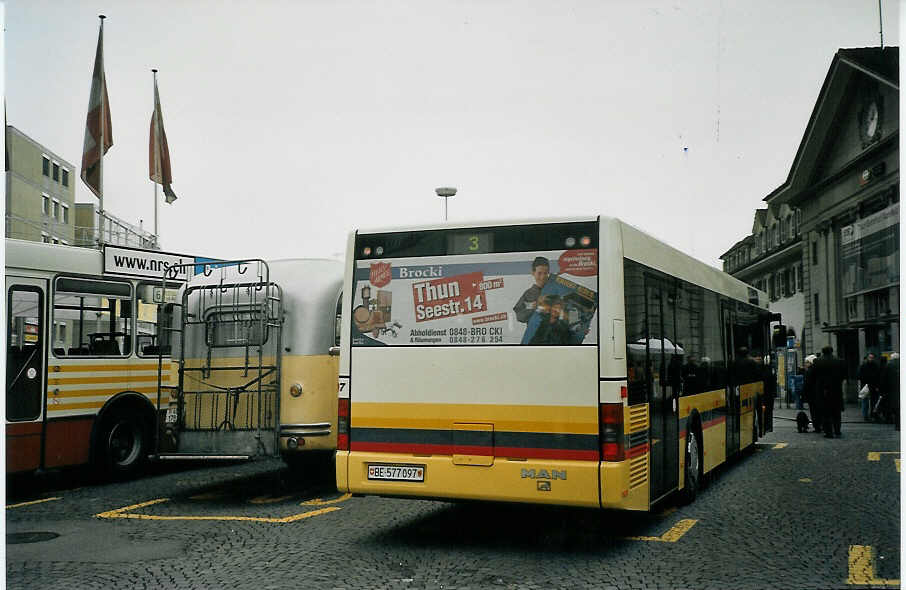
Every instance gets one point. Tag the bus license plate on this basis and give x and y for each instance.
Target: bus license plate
(171, 416)
(397, 472)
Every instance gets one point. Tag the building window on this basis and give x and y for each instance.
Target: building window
(56, 210)
(816, 311)
(799, 279)
(65, 214)
(814, 252)
(798, 221)
(45, 204)
(45, 166)
(65, 177)
(56, 171)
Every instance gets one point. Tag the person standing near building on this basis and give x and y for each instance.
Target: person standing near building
(869, 374)
(829, 375)
(890, 382)
(808, 392)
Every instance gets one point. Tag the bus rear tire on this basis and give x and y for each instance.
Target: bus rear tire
(123, 446)
(692, 470)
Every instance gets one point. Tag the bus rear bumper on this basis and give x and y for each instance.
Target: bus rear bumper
(565, 483)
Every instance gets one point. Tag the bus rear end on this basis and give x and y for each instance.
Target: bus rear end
(469, 365)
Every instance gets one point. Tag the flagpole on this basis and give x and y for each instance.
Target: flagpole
(156, 161)
(101, 148)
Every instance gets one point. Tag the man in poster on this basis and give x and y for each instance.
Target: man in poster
(541, 272)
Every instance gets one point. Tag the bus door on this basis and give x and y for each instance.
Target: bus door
(26, 354)
(735, 366)
(664, 390)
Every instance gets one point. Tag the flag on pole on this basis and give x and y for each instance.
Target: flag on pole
(98, 111)
(159, 153)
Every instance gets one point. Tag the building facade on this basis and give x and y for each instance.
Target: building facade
(842, 194)
(40, 192)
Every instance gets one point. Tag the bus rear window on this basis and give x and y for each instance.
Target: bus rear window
(521, 285)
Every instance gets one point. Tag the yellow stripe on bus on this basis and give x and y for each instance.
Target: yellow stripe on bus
(111, 379)
(83, 367)
(95, 405)
(564, 419)
(63, 393)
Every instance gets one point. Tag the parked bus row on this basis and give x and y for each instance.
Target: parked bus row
(574, 362)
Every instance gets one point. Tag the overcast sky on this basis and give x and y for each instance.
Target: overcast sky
(292, 123)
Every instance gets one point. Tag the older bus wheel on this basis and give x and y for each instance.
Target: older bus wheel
(124, 444)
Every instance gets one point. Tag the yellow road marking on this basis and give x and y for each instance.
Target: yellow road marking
(876, 455)
(862, 568)
(897, 463)
(780, 445)
(320, 502)
(671, 536)
(124, 513)
(8, 506)
(805, 479)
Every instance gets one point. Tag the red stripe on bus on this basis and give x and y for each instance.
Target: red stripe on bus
(636, 451)
(23, 428)
(714, 422)
(503, 452)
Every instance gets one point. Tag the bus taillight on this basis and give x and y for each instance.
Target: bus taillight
(343, 424)
(612, 432)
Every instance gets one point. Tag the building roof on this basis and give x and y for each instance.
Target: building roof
(879, 63)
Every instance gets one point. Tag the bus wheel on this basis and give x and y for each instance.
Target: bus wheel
(123, 445)
(693, 467)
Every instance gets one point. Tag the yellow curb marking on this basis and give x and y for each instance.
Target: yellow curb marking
(268, 499)
(897, 463)
(30, 503)
(320, 502)
(876, 455)
(671, 536)
(780, 445)
(123, 513)
(805, 479)
(862, 567)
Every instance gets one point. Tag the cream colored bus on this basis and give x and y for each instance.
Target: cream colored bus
(255, 349)
(83, 349)
(575, 362)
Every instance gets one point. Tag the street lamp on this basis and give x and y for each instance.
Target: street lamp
(445, 192)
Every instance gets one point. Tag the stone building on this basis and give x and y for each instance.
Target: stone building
(827, 246)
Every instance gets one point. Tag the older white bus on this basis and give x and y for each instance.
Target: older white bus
(83, 347)
(574, 362)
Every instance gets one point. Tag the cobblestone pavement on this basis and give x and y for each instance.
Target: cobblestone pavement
(801, 511)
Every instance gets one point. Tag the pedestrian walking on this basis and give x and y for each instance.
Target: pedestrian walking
(808, 392)
(830, 373)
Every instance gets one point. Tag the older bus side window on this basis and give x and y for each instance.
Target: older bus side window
(153, 317)
(98, 316)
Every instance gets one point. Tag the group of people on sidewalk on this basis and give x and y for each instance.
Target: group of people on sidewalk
(823, 390)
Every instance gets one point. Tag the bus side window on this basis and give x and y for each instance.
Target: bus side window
(153, 318)
(339, 320)
(97, 315)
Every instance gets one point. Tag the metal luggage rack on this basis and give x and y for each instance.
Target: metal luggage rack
(228, 403)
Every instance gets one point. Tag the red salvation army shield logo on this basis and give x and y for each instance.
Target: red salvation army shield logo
(380, 274)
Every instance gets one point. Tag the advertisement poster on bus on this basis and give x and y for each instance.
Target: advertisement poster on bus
(519, 298)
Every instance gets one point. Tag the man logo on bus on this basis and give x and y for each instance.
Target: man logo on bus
(543, 474)
(380, 274)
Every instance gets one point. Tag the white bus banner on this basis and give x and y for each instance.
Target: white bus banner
(144, 263)
(531, 298)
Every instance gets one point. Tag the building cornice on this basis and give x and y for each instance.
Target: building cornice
(769, 261)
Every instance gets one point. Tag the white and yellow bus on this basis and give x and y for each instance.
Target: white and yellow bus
(575, 362)
(256, 354)
(83, 347)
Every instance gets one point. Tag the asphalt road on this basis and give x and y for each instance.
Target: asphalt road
(801, 511)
